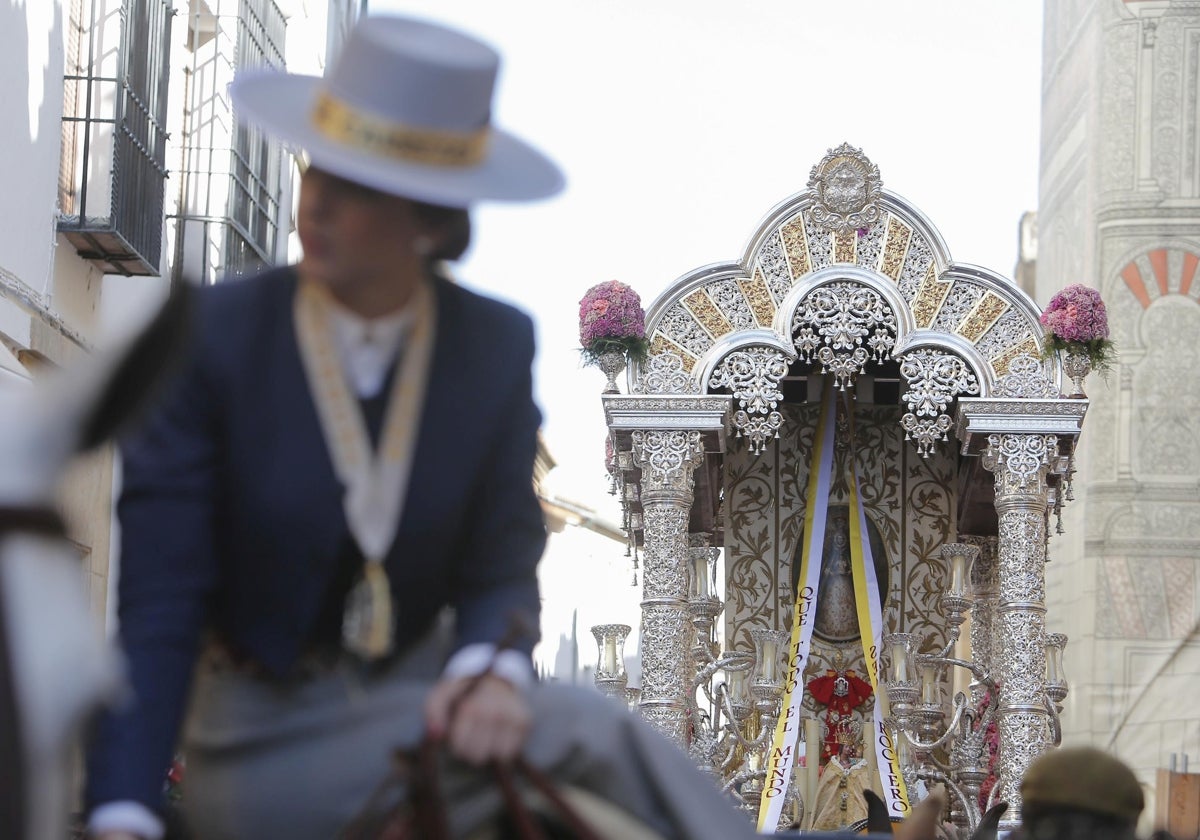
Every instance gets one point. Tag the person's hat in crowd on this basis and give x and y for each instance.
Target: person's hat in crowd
(405, 109)
(1082, 779)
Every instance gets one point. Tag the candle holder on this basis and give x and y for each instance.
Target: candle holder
(734, 728)
(703, 606)
(955, 752)
(768, 657)
(737, 667)
(1056, 680)
(903, 678)
(611, 677)
(930, 749)
(956, 600)
(734, 703)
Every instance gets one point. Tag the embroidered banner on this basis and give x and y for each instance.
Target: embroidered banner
(781, 759)
(870, 626)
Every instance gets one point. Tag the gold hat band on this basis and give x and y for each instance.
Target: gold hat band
(343, 123)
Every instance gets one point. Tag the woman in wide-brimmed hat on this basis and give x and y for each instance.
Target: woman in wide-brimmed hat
(345, 460)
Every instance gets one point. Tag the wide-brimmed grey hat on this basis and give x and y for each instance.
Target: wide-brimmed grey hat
(405, 109)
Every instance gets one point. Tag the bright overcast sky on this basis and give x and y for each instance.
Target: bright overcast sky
(681, 123)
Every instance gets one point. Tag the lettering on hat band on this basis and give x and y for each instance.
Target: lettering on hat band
(345, 124)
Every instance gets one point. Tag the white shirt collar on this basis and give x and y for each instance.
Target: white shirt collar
(368, 347)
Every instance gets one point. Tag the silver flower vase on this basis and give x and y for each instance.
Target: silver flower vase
(1077, 365)
(611, 362)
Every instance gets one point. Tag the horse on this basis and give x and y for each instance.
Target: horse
(57, 669)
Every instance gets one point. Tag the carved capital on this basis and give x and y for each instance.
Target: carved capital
(667, 459)
(1020, 464)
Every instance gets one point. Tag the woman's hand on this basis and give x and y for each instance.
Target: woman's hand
(489, 724)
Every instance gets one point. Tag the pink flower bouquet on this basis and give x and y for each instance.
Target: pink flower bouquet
(1076, 320)
(611, 318)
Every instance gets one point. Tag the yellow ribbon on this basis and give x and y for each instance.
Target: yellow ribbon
(783, 746)
(870, 629)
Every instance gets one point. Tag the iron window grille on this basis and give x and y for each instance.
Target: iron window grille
(233, 174)
(113, 166)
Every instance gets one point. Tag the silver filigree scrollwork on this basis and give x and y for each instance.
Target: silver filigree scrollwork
(834, 323)
(846, 190)
(1020, 463)
(1026, 379)
(986, 586)
(668, 456)
(753, 376)
(664, 374)
(668, 460)
(934, 379)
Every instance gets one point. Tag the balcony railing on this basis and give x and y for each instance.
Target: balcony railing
(114, 137)
(230, 204)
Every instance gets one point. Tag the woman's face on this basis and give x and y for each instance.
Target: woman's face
(355, 237)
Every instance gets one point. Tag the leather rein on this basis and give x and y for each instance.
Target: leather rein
(41, 521)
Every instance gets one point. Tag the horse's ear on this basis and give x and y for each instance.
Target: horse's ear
(878, 821)
(141, 367)
(990, 822)
(922, 823)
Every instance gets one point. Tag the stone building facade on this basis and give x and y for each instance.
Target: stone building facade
(1119, 209)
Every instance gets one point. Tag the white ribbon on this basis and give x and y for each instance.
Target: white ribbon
(783, 747)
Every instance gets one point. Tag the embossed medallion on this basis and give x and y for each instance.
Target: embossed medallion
(846, 187)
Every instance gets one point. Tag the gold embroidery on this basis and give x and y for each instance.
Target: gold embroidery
(981, 317)
(343, 123)
(845, 247)
(707, 314)
(895, 248)
(795, 247)
(754, 289)
(1000, 363)
(930, 296)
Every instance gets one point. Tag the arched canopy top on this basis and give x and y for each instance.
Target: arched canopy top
(894, 251)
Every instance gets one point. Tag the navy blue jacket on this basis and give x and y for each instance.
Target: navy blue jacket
(231, 513)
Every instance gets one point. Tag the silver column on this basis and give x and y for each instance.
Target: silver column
(985, 581)
(1020, 463)
(667, 460)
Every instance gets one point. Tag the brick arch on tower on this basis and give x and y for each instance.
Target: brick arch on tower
(1154, 273)
(969, 311)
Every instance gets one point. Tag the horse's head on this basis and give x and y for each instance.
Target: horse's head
(75, 408)
(55, 666)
